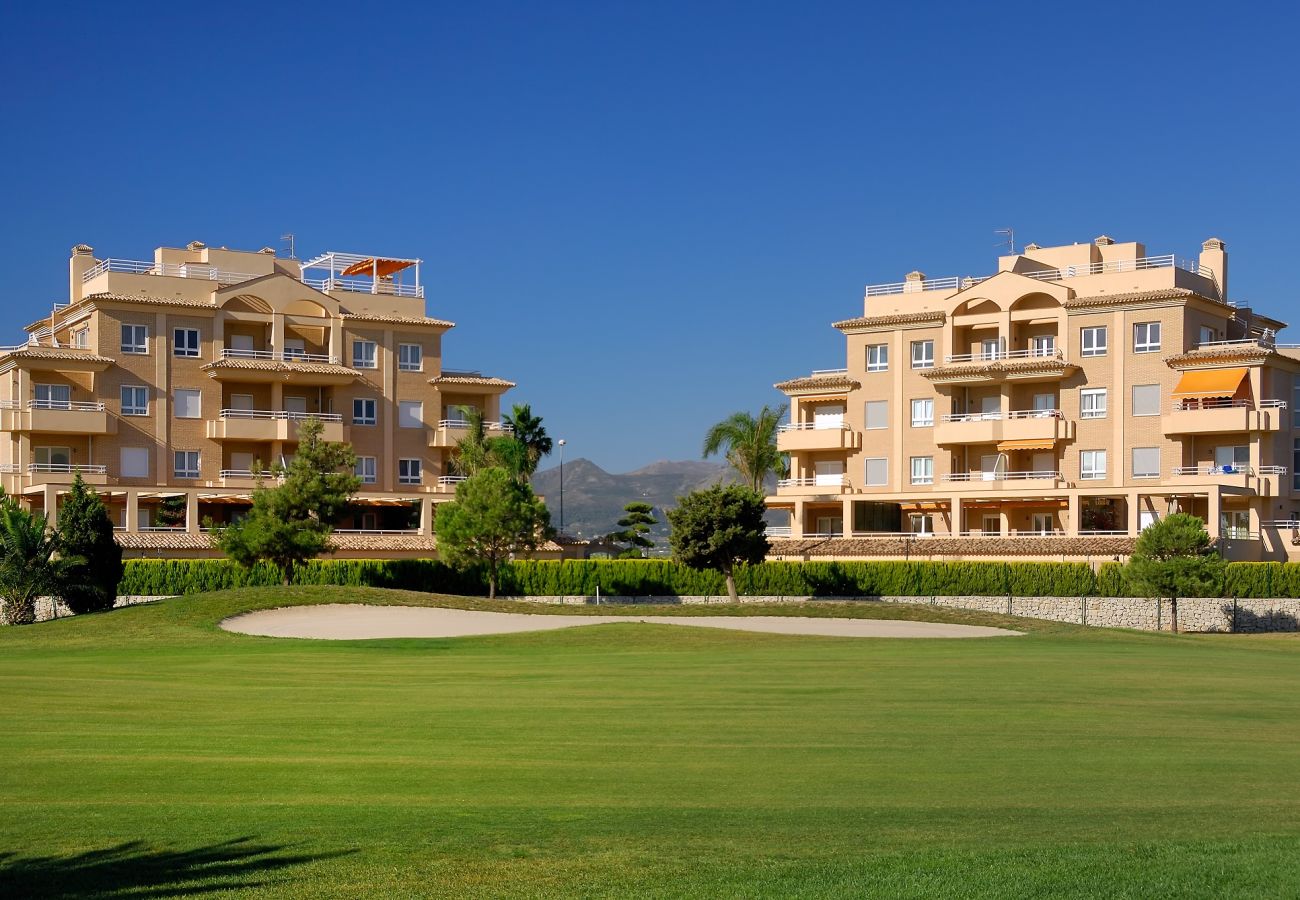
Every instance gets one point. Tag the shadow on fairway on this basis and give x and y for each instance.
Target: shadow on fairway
(135, 870)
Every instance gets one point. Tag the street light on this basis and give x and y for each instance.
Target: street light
(562, 442)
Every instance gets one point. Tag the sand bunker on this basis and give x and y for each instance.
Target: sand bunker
(345, 622)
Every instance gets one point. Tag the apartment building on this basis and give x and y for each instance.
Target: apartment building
(169, 383)
(1053, 409)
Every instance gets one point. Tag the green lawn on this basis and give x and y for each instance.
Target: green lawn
(146, 753)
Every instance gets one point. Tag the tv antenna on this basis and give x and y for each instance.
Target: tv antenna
(1010, 242)
(290, 238)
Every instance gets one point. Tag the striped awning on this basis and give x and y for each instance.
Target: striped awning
(1036, 444)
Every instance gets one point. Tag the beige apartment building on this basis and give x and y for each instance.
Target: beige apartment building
(1052, 409)
(171, 382)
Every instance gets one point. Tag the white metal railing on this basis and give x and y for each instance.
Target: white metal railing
(1035, 414)
(1104, 532)
(277, 356)
(246, 473)
(815, 481)
(1218, 470)
(504, 427)
(1272, 470)
(376, 531)
(821, 373)
(1224, 403)
(73, 405)
(972, 417)
(814, 426)
(278, 414)
(1237, 342)
(10, 468)
(1031, 475)
(1239, 534)
(158, 528)
(1282, 523)
(445, 480)
(1098, 268)
(778, 531)
(995, 355)
(365, 286)
(65, 469)
(174, 270)
(43, 341)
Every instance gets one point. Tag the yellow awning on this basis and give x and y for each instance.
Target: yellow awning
(1210, 384)
(380, 267)
(1038, 444)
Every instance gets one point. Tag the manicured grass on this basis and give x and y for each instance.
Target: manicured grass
(145, 752)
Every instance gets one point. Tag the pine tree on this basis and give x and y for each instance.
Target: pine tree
(634, 526)
(86, 535)
(719, 528)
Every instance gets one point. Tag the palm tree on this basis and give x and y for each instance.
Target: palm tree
(529, 432)
(30, 565)
(749, 444)
(471, 450)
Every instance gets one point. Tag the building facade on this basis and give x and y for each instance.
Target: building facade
(1054, 408)
(170, 384)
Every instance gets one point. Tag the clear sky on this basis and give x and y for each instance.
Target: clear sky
(645, 214)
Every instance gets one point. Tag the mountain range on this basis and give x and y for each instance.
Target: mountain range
(594, 498)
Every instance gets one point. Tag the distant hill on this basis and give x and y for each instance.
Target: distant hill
(594, 498)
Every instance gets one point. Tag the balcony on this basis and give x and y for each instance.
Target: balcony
(447, 483)
(955, 283)
(816, 486)
(450, 432)
(271, 425)
(289, 366)
(996, 366)
(57, 417)
(991, 428)
(798, 436)
(1263, 479)
(1032, 480)
(1224, 417)
(62, 473)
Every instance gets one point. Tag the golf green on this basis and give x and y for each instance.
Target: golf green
(145, 752)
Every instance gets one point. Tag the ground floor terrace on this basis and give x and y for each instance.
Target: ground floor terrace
(1064, 524)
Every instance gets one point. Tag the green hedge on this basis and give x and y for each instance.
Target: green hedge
(642, 578)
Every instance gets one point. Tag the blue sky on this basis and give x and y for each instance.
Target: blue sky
(648, 213)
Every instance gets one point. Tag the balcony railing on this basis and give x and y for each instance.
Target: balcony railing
(995, 355)
(815, 481)
(778, 531)
(953, 283)
(387, 531)
(278, 414)
(1224, 403)
(246, 473)
(1003, 476)
(446, 480)
(71, 405)
(814, 426)
(65, 469)
(365, 286)
(997, 416)
(504, 427)
(1219, 470)
(278, 356)
(174, 270)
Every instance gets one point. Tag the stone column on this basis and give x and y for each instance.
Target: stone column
(132, 510)
(1213, 511)
(1073, 513)
(426, 516)
(796, 520)
(1134, 507)
(955, 513)
(192, 512)
(52, 505)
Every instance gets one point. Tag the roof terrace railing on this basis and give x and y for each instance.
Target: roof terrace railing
(173, 270)
(1099, 268)
(365, 286)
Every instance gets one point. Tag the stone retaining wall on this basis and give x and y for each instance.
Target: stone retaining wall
(1210, 614)
(45, 606)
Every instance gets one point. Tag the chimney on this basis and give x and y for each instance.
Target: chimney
(81, 262)
(1104, 240)
(1214, 256)
(915, 281)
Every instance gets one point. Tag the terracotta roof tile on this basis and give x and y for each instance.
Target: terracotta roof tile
(835, 383)
(277, 365)
(398, 320)
(1103, 300)
(39, 352)
(147, 300)
(1250, 354)
(936, 317)
(481, 380)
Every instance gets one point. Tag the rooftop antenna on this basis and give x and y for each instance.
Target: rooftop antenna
(290, 238)
(1010, 242)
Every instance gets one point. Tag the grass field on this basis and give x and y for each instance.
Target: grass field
(146, 753)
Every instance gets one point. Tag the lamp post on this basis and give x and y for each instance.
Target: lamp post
(562, 442)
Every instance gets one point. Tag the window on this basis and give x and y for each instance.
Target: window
(877, 357)
(1146, 337)
(185, 342)
(186, 464)
(366, 470)
(1146, 399)
(135, 462)
(410, 414)
(877, 471)
(53, 459)
(921, 523)
(989, 348)
(81, 338)
(294, 348)
(1042, 523)
(1235, 524)
(363, 411)
(53, 396)
(877, 414)
(408, 471)
(1092, 341)
(922, 413)
(135, 401)
(1207, 335)
(410, 357)
(188, 404)
(135, 339)
(1295, 464)
(1042, 345)
(922, 354)
(1092, 465)
(1146, 462)
(363, 355)
(1231, 458)
(1092, 403)
(922, 470)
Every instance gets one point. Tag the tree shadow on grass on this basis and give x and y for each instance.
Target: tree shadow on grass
(136, 870)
